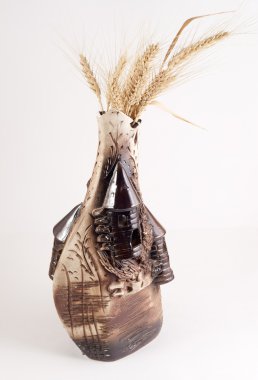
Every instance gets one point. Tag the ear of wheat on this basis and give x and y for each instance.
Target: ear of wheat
(146, 78)
(137, 77)
(114, 92)
(90, 77)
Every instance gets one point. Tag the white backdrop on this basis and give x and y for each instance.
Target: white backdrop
(201, 185)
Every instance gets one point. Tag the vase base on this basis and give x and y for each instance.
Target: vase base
(111, 351)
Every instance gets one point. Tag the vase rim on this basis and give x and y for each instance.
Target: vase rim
(112, 111)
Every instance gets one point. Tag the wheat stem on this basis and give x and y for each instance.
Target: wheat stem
(167, 76)
(182, 28)
(137, 76)
(90, 77)
(114, 96)
(145, 80)
(188, 52)
(159, 83)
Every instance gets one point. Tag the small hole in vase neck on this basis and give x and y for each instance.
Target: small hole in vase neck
(134, 124)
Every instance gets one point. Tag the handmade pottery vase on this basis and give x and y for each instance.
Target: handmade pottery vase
(109, 256)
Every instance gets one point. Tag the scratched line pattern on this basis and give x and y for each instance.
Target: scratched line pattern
(80, 297)
(132, 323)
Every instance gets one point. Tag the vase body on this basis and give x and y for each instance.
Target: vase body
(109, 256)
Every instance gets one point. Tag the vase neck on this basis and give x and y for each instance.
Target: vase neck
(117, 137)
(118, 142)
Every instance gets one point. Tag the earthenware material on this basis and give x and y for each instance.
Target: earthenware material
(110, 256)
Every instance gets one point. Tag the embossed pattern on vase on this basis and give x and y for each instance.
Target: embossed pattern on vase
(107, 273)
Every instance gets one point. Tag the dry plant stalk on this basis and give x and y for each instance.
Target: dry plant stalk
(163, 80)
(186, 53)
(148, 77)
(90, 77)
(180, 31)
(160, 83)
(114, 93)
(137, 77)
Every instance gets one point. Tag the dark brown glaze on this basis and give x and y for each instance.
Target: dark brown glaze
(61, 231)
(159, 253)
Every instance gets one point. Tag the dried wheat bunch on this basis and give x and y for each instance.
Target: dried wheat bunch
(149, 74)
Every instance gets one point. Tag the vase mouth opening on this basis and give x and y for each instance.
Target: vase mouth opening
(117, 112)
(112, 113)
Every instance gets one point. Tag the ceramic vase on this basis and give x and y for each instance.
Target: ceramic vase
(109, 256)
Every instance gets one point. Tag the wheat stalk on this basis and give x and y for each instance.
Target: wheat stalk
(160, 82)
(136, 96)
(90, 77)
(114, 96)
(141, 87)
(188, 52)
(137, 76)
(171, 74)
(180, 31)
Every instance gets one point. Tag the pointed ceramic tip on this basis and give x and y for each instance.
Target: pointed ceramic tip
(121, 193)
